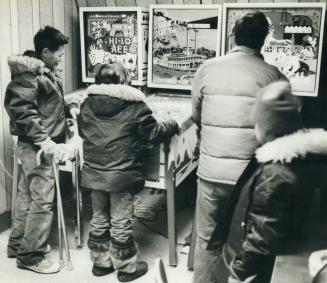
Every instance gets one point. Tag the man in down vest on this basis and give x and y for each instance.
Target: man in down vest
(223, 94)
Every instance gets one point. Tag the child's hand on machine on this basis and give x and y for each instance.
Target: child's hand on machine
(177, 126)
(66, 152)
(179, 130)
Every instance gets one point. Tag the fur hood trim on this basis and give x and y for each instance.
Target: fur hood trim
(124, 92)
(296, 145)
(19, 64)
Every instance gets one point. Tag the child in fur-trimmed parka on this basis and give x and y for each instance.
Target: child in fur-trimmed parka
(34, 101)
(115, 123)
(274, 190)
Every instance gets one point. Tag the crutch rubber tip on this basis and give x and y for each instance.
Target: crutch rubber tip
(61, 264)
(69, 266)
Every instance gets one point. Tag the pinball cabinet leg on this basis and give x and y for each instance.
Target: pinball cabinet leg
(172, 235)
(171, 210)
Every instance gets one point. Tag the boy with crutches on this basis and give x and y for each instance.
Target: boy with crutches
(35, 104)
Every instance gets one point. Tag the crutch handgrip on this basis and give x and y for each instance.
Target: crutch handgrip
(38, 156)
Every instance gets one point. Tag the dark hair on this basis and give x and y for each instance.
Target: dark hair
(49, 37)
(251, 30)
(30, 53)
(113, 73)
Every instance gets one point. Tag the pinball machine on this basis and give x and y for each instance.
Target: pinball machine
(163, 51)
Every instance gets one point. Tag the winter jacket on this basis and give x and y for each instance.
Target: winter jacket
(271, 205)
(223, 94)
(115, 124)
(34, 101)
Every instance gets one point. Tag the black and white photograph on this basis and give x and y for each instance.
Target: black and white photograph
(163, 141)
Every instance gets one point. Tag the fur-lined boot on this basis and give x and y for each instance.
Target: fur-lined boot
(124, 257)
(100, 254)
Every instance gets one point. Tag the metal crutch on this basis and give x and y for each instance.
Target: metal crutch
(61, 256)
(61, 221)
(79, 211)
(14, 183)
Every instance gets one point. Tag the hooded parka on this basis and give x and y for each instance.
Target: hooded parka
(272, 201)
(115, 124)
(34, 101)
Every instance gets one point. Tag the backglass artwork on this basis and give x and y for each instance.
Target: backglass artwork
(116, 34)
(294, 40)
(181, 39)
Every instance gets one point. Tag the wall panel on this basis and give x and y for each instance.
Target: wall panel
(75, 42)
(5, 41)
(36, 15)
(83, 3)
(59, 23)
(96, 3)
(285, 1)
(111, 3)
(46, 12)
(206, 2)
(164, 1)
(178, 2)
(8, 141)
(14, 26)
(145, 3)
(68, 14)
(126, 3)
(25, 25)
(192, 2)
(261, 1)
(218, 1)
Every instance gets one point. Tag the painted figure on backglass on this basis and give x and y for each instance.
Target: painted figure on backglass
(292, 43)
(111, 37)
(182, 40)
